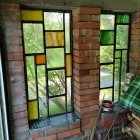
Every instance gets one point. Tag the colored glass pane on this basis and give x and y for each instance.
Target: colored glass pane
(122, 36)
(31, 77)
(122, 19)
(67, 32)
(55, 57)
(32, 15)
(117, 54)
(40, 59)
(69, 65)
(33, 110)
(69, 101)
(117, 80)
(106, 54)
(33, 38)
(106, 76)
(107, 92)
(57, 105)
(56, 82)
(54, 39)
(107, 22)
(53, 21)
(107, 37)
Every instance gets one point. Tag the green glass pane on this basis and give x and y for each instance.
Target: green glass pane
(117, 54)
(106, 76)
(42, 91)
(106, 54)
(122, 37)
(107, 93)
(107, 22)
(53, 21)
(67, 32)
(33, 38)
(107, 37)
(117, 80)
(69, 102)
(57, 105)
(56, 82)
(122, 19)
(55, 57)
(31, 77)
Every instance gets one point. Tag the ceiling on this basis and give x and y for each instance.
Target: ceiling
(114, 5)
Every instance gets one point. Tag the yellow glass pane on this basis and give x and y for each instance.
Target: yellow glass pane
(40, 59)
(32, 15)
(69, 65)
(33, 110)
(54, 39)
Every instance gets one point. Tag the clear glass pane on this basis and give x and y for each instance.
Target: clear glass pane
(69, 102)
(107, 93)
(106, 76)
(40, 59)
(107, 37)
(122, 19)
(117, 80)
(31, 77)
(33, 38)
(68, 65)
(53, 21)
(67, 32)
(122, 37)
(106, 54)
(117, 54)
(55, 57)
(57, 105)
(56, 82)
(54, 39)
(42, 93)
(107, 22)
(33, 110)
(32, 15)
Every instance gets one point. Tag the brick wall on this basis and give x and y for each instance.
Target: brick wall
(86, 35)
(11, 25)
(134, 61)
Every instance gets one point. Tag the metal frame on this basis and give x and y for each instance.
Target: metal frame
(115, 49)
(49, 69)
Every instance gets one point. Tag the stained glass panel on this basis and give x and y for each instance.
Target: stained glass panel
(106, 54)
(40, 59)
(108, 94)
(117, 54)
(69, 102)
(68, 65)
(122, 37)
(55, 57)
(31, 15)
(107, 38)
(33, 38)
(56, 82)
(31, 77)
(57, 105)
(33, 110)
(54, 39)
(53, 21)
(107, 22)
(122, 19)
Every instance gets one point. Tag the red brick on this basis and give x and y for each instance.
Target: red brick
(20, 108)
(75, 125)
(68, 133)
(16, 64)
(21, 128)
(86, 66)
(15, 56)
(22, 136)
(20, 115)
(81, 98)
(52, 137)
(10, 7)
(37, 135)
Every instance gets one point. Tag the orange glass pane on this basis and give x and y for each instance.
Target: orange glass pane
(33, 110)
(32, 15)
(69, 65)
(54, 39)
(40, 59)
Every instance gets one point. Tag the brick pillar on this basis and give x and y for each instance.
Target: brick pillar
(86, 36)
(11, 26)
(134, 61)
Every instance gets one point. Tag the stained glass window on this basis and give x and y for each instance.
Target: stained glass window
(48, 62)
(122, 19)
